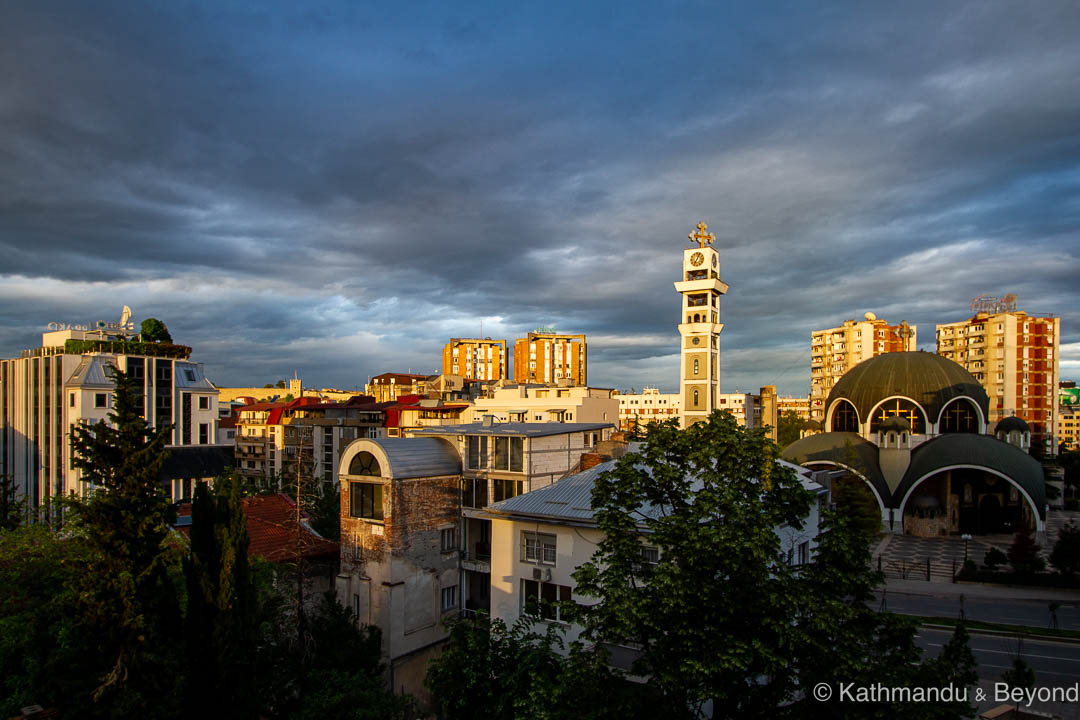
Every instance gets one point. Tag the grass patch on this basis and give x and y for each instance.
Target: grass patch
(1025, 630)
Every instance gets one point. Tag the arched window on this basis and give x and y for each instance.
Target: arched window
(901, 408)
(365, 464)
(959, 417)
(844, 418)
(695, 398)
(695, 366)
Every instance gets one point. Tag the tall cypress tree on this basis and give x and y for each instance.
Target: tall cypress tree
(221, 632)
(129, 603)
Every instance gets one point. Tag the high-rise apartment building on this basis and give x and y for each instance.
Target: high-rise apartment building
(545, 356)
(835, 351)
(700, 327)
(475, 359)
(1015, 357)
(46, 391)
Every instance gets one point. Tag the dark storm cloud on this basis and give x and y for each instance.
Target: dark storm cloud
(340, 188)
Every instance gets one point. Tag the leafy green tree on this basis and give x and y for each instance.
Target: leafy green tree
(788, 428)
(489, 670)
(1019, 675)
(1024, 554)
(280, 384)
(220, 623)
(128, 598)
(45, 657)
(326, 513)
(12, 507)
(712, 617)
(1066, 553)
(153, 330)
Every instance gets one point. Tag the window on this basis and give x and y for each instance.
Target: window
(448, 539)
(449, 598)
(478, 452)
(502, 453)
(695, 366)
(204, 433)
(804, 552)
(366, 500)
(650, 555)
(538, 548)
(474, 492)
(364, 464)
(204, 402)
(545, 600)
(505, 489)
(101, 400)
(71, 400)
(189, 374)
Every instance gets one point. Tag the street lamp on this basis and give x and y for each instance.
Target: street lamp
(967, 538)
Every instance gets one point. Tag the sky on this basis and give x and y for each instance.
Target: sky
(336, 189)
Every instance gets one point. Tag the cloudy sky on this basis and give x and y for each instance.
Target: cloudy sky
(338, 189)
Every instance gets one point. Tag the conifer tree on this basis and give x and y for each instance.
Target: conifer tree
(128, 602)
(221, 632)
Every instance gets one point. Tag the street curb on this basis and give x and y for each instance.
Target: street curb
(1005, 633)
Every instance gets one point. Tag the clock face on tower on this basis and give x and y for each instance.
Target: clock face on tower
(696, 259)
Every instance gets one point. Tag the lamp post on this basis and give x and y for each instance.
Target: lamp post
(967, 538)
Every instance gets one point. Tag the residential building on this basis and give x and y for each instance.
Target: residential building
(476, 359)
(415, 546)
(545, 356)
(1014, 356)
(546, 403)
(836, 350)
(272, 437)
(1068, 416)
(411, 412)
(389, 387)
(540, 538)
(48, 390)
(798, 405)
(636, 410)
(700, 327)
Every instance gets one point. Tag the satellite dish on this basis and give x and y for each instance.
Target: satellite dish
(870, 316)
(125, 315)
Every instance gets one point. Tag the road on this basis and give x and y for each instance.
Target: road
(1056, 664)
(1034, 613)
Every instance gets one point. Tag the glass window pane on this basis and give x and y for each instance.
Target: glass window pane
(502, 453)
(517, 452)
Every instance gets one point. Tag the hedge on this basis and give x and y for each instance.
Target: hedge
(128, 347)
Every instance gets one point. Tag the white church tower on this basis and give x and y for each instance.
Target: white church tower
(700, 326)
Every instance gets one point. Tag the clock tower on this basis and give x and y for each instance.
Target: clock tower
(700, 326)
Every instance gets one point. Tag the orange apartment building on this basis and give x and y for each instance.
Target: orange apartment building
(1015, 357)
(545, 356)
(476, 359)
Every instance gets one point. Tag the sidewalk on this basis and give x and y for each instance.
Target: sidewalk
(982, 590)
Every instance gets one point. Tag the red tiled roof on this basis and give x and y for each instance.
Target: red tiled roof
(271, 526)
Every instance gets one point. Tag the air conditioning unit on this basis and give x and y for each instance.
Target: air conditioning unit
(542, 574)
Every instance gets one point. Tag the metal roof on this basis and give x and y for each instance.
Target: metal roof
(833, 447)
(927, 378)
(197, 381)
(537, 429)
(570, 499)
(91, 372)
(417, 457)
(977, 451)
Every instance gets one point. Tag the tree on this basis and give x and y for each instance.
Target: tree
(12, 507)
(788, 428)
(153, 330)
(489, 670)
(127, 596)
(1066, 553)
(712, 616)
(993, 558)
(220, 622)
(280, 384)
(1024, 554)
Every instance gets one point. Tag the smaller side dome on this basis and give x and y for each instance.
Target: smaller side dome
(811, 425)
(1012, 423)
(896, 424)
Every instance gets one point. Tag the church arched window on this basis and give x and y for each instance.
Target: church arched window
(364, 464)
(959, 417)
(901, 408)
(844, 418)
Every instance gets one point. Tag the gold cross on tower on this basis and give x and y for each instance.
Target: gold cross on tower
(701, 237)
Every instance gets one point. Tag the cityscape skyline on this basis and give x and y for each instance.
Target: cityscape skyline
(339, 192)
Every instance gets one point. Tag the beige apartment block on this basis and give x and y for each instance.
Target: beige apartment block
(636, 410)
(476, 359)
(545, 356)
(799, 405)
(540, 403)
(1014, 356)
(700, 327)
(836, 350)
(390, 386)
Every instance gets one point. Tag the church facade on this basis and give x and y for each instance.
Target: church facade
(913, 426)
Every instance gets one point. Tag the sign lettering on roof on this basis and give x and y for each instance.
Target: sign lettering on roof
(990, 304)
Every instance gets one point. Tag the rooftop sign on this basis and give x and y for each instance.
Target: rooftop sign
(990, 304)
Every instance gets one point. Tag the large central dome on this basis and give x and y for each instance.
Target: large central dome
(928, 379)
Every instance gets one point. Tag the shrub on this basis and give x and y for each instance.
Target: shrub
(1066, 553)
(1024, 554)
(994, 558)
